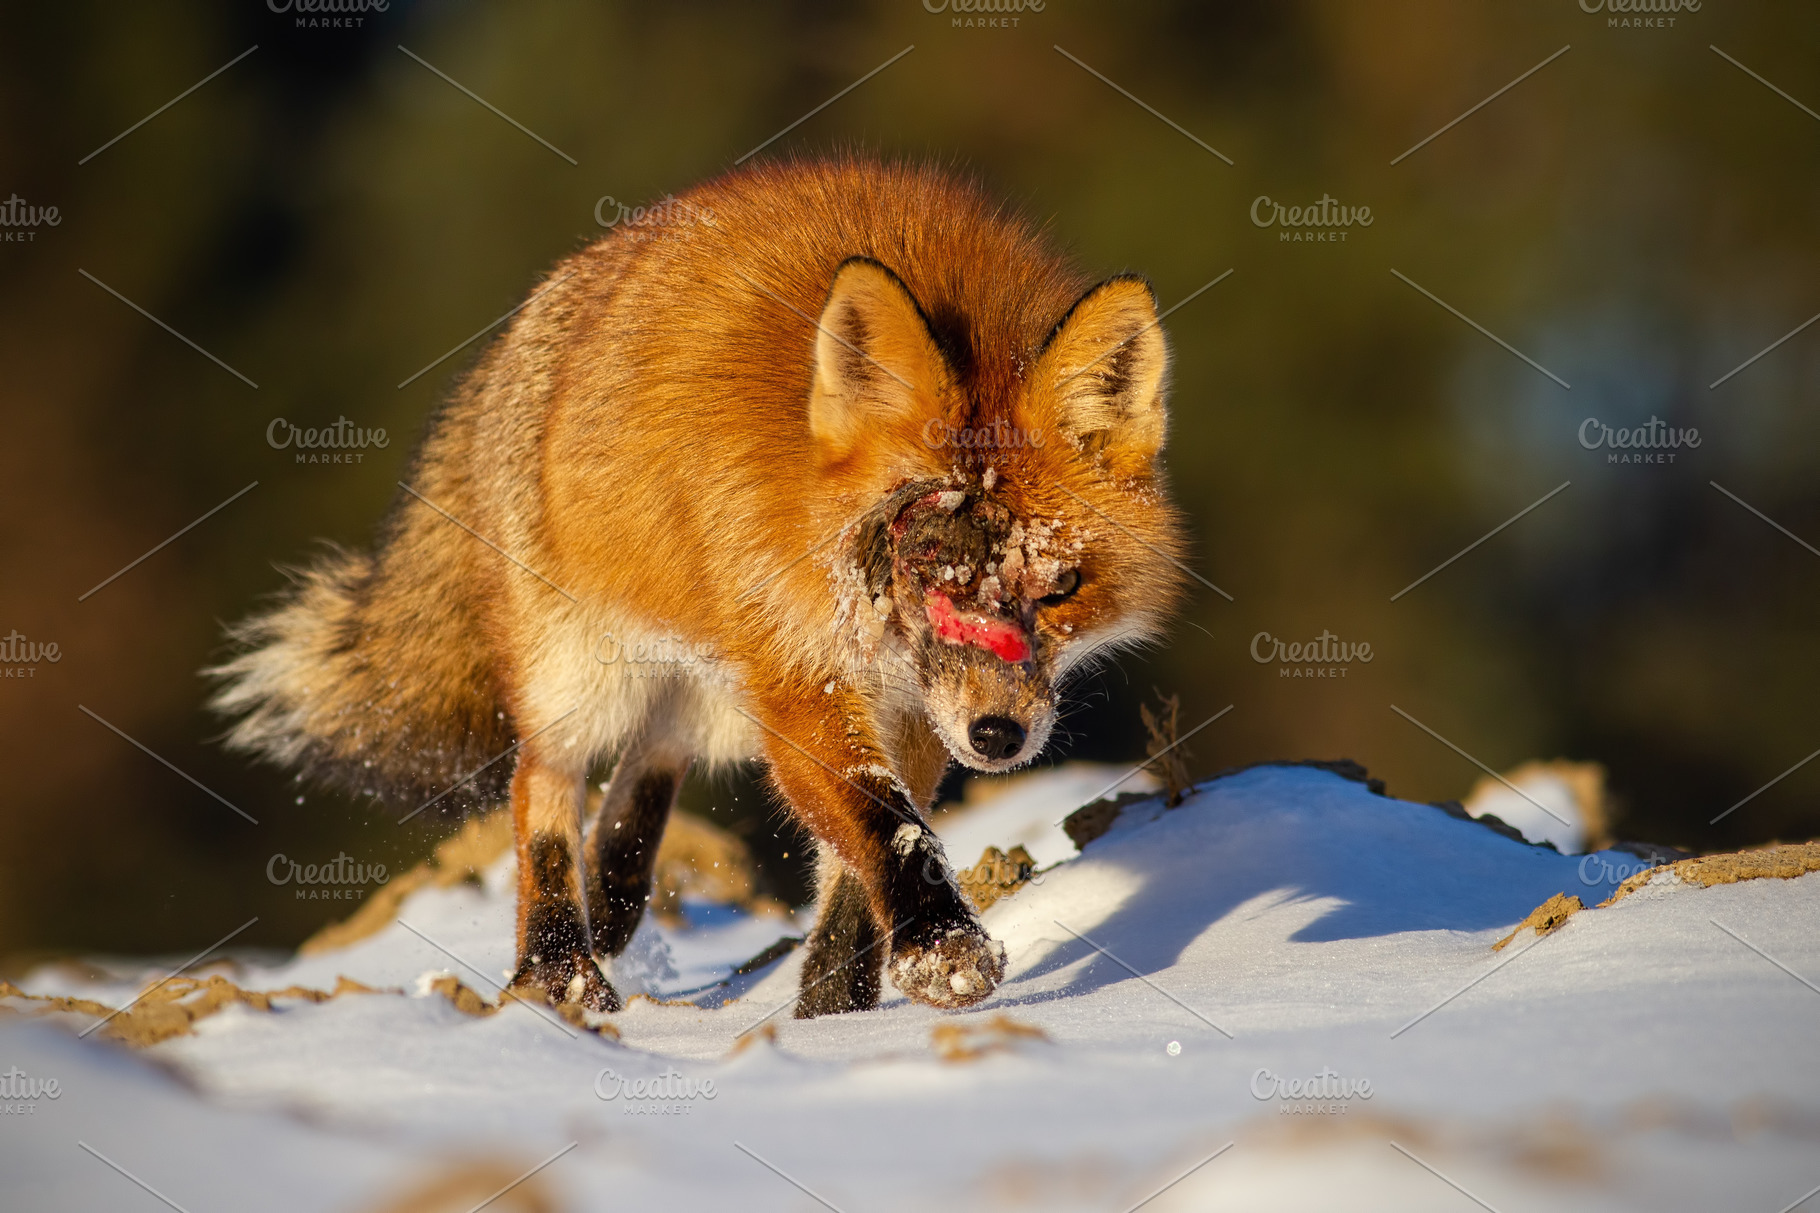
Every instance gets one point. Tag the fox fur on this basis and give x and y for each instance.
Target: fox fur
(867, 463)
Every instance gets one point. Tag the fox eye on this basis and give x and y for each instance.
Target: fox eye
(1065, 586)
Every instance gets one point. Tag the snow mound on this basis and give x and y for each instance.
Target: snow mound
(1280, 994)
(1027, 809)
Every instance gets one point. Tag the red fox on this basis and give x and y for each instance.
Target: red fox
(866, 463)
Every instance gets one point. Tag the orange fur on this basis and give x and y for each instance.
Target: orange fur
(747, 429)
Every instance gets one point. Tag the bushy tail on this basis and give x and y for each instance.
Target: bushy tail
(373, 679)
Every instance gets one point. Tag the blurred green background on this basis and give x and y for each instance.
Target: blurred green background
(327, 216)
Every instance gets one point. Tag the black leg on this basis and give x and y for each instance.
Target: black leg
(844, 958)
(553, 951)
(622, 848)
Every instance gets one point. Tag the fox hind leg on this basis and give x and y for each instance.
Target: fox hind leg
(843, 962)
(554, 955)
(623, 838)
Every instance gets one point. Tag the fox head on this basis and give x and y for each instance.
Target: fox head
(1015, 524)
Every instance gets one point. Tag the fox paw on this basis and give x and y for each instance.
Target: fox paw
(954, 969)
(568, 979)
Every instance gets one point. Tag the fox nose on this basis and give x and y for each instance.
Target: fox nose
(996, 737)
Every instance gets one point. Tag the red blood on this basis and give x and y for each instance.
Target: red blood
(994, 635)
(901, 523)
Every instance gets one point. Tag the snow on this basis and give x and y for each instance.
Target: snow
(1027, 810)
(1282, 925)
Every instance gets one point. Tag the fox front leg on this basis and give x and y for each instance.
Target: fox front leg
(841, 785)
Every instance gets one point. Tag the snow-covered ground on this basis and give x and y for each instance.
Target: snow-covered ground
(1282, 926)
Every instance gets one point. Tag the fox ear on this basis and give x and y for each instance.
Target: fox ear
(875, 359)
(1103, 372)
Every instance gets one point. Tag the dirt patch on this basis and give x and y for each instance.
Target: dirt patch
(1545, 918)
(972, 1041)
(171, 1007)
(465, 1186)
(470, 1002)
(767, 1033)
(1783, 861)
(579, 1016)
(463, 998)
(997, 874)
(1090, 821)
(174, 1006)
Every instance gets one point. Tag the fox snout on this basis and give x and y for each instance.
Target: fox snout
(984, 686)
(991, 713)
(964, 591)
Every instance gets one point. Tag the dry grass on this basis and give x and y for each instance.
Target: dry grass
(970, 1041)
(1545, 918)
(997, 874)
(171, 1007)
(1781, 861)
